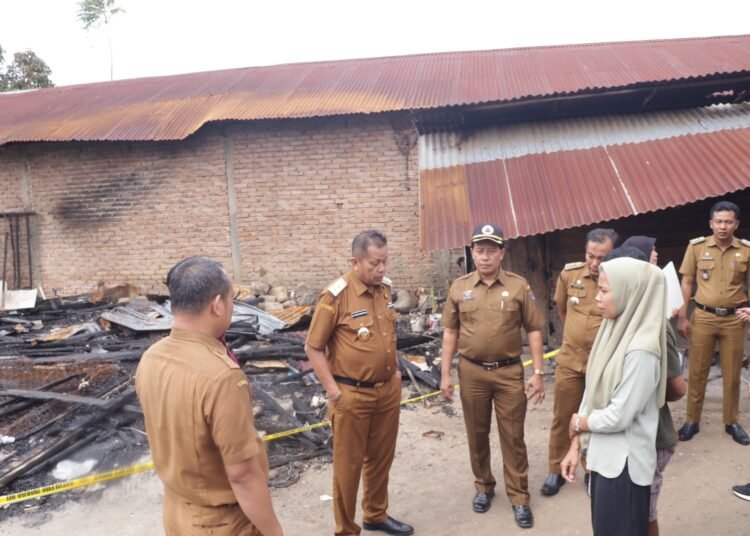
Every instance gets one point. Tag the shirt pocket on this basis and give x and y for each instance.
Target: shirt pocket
(360, 330)
(468, 310)
(506, 317)
(705, 268)
(507, 305)
(577, 298)
(739, 270)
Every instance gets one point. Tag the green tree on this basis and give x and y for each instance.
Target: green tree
(28, 71)
(95, 14)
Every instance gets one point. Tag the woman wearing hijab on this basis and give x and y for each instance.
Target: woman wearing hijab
(619, 413)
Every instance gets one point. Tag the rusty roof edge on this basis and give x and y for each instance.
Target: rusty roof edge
(584, 92)
(395, 57)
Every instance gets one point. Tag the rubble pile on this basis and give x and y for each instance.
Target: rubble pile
(67, 367)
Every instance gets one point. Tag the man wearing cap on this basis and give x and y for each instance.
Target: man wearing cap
(483, 316)
(354, 322)
(718, 267)
(574, 298)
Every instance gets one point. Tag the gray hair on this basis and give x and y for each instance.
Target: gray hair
(601, 235)
(365, 239)
(194, 282)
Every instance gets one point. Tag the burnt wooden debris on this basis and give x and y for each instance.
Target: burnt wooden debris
(66, 381)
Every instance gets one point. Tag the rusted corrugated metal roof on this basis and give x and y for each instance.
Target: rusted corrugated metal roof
(444, 149)
(543, 192)
(173, 107)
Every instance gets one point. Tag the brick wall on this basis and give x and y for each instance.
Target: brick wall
(128, 211)
(306, 188)
(125, 212)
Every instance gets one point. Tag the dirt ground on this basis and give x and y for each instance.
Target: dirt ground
(431, 487)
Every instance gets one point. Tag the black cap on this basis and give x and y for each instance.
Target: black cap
(487, 231)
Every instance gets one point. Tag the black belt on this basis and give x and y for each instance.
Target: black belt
(491, 365)
(357, 383)
(720, 311)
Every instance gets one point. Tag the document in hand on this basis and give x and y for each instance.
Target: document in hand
(674, 291)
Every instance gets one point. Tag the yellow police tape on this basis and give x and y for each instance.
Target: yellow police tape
(148, 466)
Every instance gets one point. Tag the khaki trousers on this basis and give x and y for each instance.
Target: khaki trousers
(365, 426)
(707, 330)
(185, 519)
(503, 388)
(569, 387)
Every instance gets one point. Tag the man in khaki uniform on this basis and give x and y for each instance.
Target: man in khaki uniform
(354, 322)
(483, 317)
(574, 298)
(197, 406)
(718, 264)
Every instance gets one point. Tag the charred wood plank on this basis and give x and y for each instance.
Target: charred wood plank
(309, 437)
(63, 397)
(424, 377)
(42, 456)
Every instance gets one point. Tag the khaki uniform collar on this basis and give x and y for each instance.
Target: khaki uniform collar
(195, 336)
(711, 242)
(586, 272)
(357, 284)
(501, 278)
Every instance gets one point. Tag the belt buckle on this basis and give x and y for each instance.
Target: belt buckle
(721, 311)
(490, 365)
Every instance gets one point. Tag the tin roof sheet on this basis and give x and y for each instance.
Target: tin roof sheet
(444, 149)
(543, 192)
(173, 107)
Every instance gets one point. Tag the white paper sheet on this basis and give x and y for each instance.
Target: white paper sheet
(674, 292)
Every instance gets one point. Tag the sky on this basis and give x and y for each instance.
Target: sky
(162, 37)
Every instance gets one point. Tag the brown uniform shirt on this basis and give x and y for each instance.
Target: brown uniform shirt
(357, 325)
(720, 275)
(577, 289)
(197, 405)
(489, 319)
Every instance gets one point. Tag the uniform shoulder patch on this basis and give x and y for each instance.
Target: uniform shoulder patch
(242, 383)
(387, 281)
(698, 240)
(574, 265)
(745, 242)
(337, 286)
(327, 307)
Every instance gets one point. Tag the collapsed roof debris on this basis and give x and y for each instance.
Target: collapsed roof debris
(66, 381)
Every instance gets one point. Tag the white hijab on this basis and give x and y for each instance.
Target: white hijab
(640, 294)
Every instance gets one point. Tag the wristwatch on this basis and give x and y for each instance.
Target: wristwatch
(539, 371)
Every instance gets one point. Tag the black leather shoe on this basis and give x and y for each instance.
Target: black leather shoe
(552, 485)
(482, 502)
(688, 430)
(524, 517)
(389, 526)
(737, 433)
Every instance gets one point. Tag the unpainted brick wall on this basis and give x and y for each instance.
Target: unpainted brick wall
(125, 211)
(306, 188)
